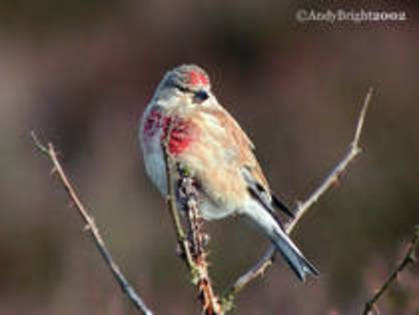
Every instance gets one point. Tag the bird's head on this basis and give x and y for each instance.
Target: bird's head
(186, 81)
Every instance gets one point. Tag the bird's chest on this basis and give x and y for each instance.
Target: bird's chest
(156, 127)
(154, 130)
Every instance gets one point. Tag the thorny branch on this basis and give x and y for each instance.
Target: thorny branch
(409, 258)
(267, 259)
(192, 242)
(91, 227)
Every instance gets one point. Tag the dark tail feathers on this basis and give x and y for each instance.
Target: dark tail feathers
(301, 266)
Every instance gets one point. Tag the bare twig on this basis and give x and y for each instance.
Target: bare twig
(354, 150)
(192, 242)
(91, 227)
(171, 205)
(409, 258)
(267, 259)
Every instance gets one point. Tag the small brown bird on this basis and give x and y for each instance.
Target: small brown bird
(209, 143)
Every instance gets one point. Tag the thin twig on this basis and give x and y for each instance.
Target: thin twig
(174, 214)
(332, 178)
(267, 259)
(208, 299)
(91, 227)
(409, 258)
(192, 242)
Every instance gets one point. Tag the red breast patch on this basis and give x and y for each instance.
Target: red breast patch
(180, 136)
(181, 133)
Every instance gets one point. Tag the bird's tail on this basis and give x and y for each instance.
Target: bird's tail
(266, 222)
(296, 260)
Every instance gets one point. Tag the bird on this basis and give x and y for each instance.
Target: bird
(209, 143)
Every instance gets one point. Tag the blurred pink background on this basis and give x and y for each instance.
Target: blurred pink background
(81, 73)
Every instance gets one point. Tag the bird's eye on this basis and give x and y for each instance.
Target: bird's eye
(200, 96)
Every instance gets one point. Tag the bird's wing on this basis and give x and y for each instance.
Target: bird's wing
(237, 140)
(252, 172)
(222, 158)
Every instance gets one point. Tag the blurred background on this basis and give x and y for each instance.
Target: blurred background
(80, 74)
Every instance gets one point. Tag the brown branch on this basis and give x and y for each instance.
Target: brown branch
(91, 227)
(191, 243)
(409, 258)
(267, 259)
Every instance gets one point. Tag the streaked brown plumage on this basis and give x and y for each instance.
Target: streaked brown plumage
(207, 141)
